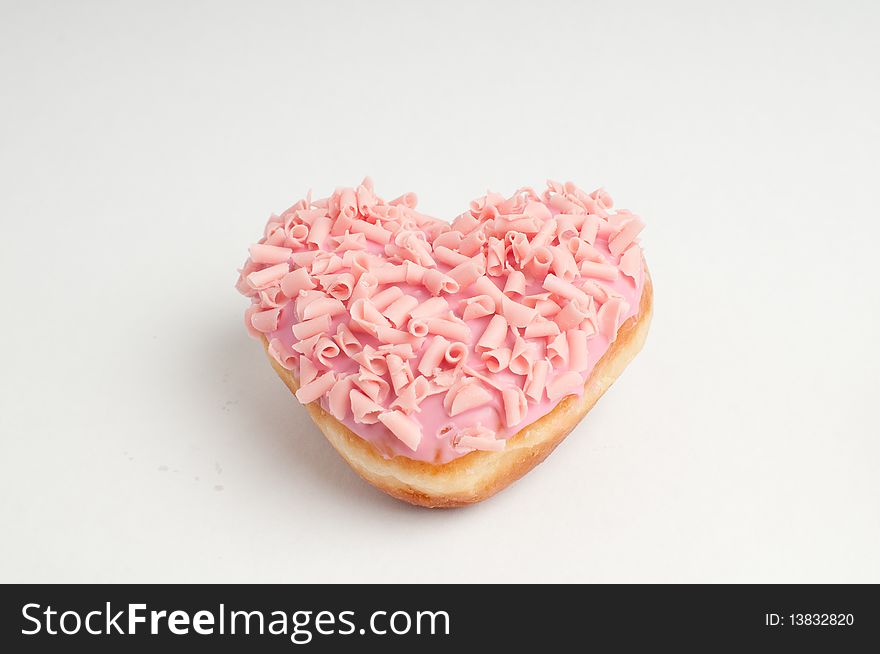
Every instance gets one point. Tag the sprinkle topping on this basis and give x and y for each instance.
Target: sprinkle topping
(431, 339)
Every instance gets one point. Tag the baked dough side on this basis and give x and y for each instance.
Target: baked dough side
(479, 475)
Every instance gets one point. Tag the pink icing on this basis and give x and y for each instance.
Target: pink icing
(432, 340)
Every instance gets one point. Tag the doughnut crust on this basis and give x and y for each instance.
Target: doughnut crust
(478, 475)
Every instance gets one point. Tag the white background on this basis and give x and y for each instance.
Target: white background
(143, 145)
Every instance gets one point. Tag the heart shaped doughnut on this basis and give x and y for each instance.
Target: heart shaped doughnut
(444, 361)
